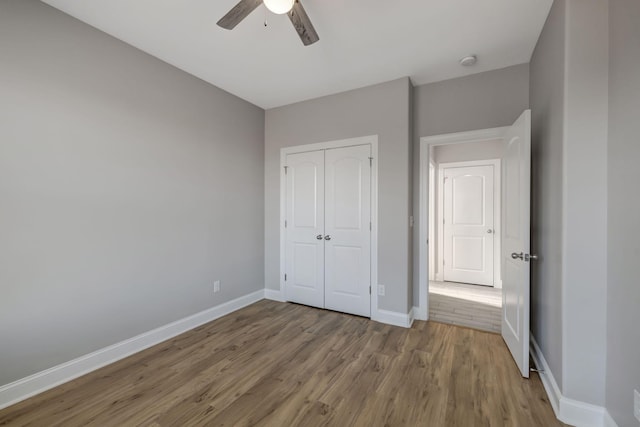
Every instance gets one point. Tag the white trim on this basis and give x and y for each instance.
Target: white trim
(497, 214)
(371, 140)
(431, 203)
(394, 318)
(548, 381)
(39, 382)
(470, 136)
(439, 219)
(423, 231)
(420, 313)
(341, 143)
(569, 411)
(274, 295)
(608, 420)
(423, 207)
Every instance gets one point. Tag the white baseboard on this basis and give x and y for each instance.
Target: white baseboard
(37, 383)
(548, 381)
(420, 313)
(393, 318)
(569, 411)
(609, 421)
(382, 316)
(274, 295)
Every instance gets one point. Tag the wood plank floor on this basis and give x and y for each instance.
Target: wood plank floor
(475, 306)
(279, 364)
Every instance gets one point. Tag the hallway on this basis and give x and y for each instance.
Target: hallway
(462, 304)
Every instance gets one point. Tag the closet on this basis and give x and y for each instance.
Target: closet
(328, 229)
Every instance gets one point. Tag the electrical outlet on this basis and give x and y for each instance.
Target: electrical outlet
(381, 290)
(216, 286)
(636, 404)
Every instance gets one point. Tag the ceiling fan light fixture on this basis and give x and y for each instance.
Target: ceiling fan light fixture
(279, 7)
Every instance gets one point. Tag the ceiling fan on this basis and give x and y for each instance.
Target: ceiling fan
(293, 8)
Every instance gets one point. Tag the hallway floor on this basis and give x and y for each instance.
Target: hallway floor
(475, 306)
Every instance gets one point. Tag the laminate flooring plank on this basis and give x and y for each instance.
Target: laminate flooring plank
(280, 364)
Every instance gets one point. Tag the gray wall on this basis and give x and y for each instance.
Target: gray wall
(569, 78)
(623, 294)
(382, 110)
(468, 151)
(585, 210)
(547, 133)
(480, 101)
(126, 188)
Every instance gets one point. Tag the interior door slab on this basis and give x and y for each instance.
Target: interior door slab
(516, 185)
(304, 246)
(469, 224)
(347, 230)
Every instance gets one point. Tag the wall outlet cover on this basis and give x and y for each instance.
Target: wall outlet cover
(381, 290)
(216, 286)
(636, 404)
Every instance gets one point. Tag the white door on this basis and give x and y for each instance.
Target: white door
(516, 186)
(304, 247)
(469, 224)
(347, 230)
(328, 235)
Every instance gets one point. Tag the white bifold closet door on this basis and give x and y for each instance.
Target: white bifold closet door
(328, 232)
(304, 249)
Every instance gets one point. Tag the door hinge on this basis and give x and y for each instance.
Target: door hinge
(369, 290)
(370, 227)
(285, 169)
(285, 277)
(285, 223)
(370, 161)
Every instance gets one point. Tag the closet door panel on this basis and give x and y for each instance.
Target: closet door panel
(304, 246)
(347, 230)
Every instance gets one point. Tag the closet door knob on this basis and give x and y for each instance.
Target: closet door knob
(319, 237)
(327, 237)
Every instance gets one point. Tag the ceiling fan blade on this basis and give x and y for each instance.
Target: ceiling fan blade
(238, 13)
(302, 24)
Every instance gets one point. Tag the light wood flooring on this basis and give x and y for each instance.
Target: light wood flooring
(474, 306)
(279, 364)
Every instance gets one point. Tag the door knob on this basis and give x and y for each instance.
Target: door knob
(516, 256)
(528, 257)
(327, 237)
(319, 237)
(489, 231)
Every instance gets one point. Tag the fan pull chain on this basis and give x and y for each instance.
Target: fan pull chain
(265, 17)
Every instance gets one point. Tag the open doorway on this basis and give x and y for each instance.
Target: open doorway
(512, 233)
(464, 233)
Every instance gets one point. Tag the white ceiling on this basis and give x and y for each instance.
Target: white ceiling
(362, 42)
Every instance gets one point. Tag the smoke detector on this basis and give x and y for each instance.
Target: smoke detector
(468, 61)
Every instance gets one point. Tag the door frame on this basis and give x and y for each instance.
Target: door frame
(371, 140)
(497, 222)
(422, 310)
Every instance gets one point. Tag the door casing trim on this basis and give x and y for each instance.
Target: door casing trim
(421, 310)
